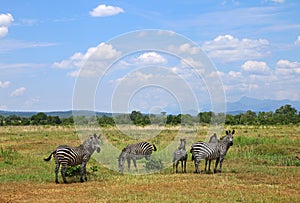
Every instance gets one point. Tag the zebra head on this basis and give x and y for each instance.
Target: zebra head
(93, 143)
(182, 144)
(121, 160)
(229, 137)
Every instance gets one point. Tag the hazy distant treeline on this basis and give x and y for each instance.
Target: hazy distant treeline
(284, 115)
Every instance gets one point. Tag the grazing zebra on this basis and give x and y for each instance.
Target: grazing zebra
(203, 150)
(180, 155)
(71, 156)
(213, 139)
(135, 152)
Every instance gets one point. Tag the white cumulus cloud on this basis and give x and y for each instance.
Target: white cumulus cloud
(18, 92)
(151, 58)
(104, 10)
(5, 22)
(286, 67)
(257, 67)
(4, 84)
(227, 48)
(91, 63)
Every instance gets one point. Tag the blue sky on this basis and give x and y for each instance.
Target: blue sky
(255, 46)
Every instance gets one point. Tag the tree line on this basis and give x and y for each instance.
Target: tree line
(284, 115)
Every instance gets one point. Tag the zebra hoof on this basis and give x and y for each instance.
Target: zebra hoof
(56, 182)
(81, 180)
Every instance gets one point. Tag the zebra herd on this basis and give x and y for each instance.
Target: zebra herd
(215, 149)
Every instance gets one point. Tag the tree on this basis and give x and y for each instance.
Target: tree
(248, 118)
(39, 119)
(205, 117)
(286, 115)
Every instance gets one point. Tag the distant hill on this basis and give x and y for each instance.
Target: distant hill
(61, 114)
(258, 105)
(243, 105)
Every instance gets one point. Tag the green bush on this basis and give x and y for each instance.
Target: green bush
(154, 165)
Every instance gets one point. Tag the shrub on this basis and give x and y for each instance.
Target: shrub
(154, 165)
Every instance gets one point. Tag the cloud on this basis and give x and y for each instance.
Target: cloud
(92, 63)
(151, 58)
(285, 67)
(278, 1)
(18, 92)
(185, 48)
(258, 67)
(4, 84)
(104, 10)
(227, 48)
(297, 42)
(258, 80)
(5, 22)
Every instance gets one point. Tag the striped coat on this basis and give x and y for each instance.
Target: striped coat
(212, 151)
(181, 155)
(71, 156)
(135, 152)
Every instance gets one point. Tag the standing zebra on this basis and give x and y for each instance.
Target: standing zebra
(72, 156)
(213, 139)
(180, 155)
(135, 152)
(210, 151)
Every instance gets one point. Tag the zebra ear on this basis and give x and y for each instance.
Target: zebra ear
(233, 131)
(227, 132)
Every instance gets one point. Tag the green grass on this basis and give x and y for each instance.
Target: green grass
(259, 167)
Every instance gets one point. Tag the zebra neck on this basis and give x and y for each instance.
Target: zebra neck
(89, 149)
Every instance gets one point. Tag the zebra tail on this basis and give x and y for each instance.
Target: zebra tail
(154, 147)
(191, 151)
(48, 159)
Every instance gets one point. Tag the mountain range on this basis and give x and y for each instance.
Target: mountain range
(258, 105)
(242, 105)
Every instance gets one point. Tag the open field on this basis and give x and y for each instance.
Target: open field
(259, 167)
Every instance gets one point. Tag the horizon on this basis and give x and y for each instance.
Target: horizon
(43, 54)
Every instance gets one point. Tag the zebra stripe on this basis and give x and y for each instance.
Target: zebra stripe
(212, 139)
(135, 152)
(71, 156)
(212, 151)
(181, 155)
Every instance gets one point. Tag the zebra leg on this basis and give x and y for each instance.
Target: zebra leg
(128, 163)
(56, 172)
(196, 161)
(217, 162)
(181, 166)
(177, 162)
(63, 172)
(83, 172)
(209, 162)
(134, 162)
(184, 164)
(221, 163)
(205, 165)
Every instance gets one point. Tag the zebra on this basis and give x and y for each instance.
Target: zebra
(71, 156)
(135, 152)
(180, 154)
(203, 150)
(213, 139)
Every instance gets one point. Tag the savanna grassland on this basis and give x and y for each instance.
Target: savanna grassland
(261, 166)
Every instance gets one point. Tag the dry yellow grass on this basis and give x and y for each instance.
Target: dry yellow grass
(245, 179)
